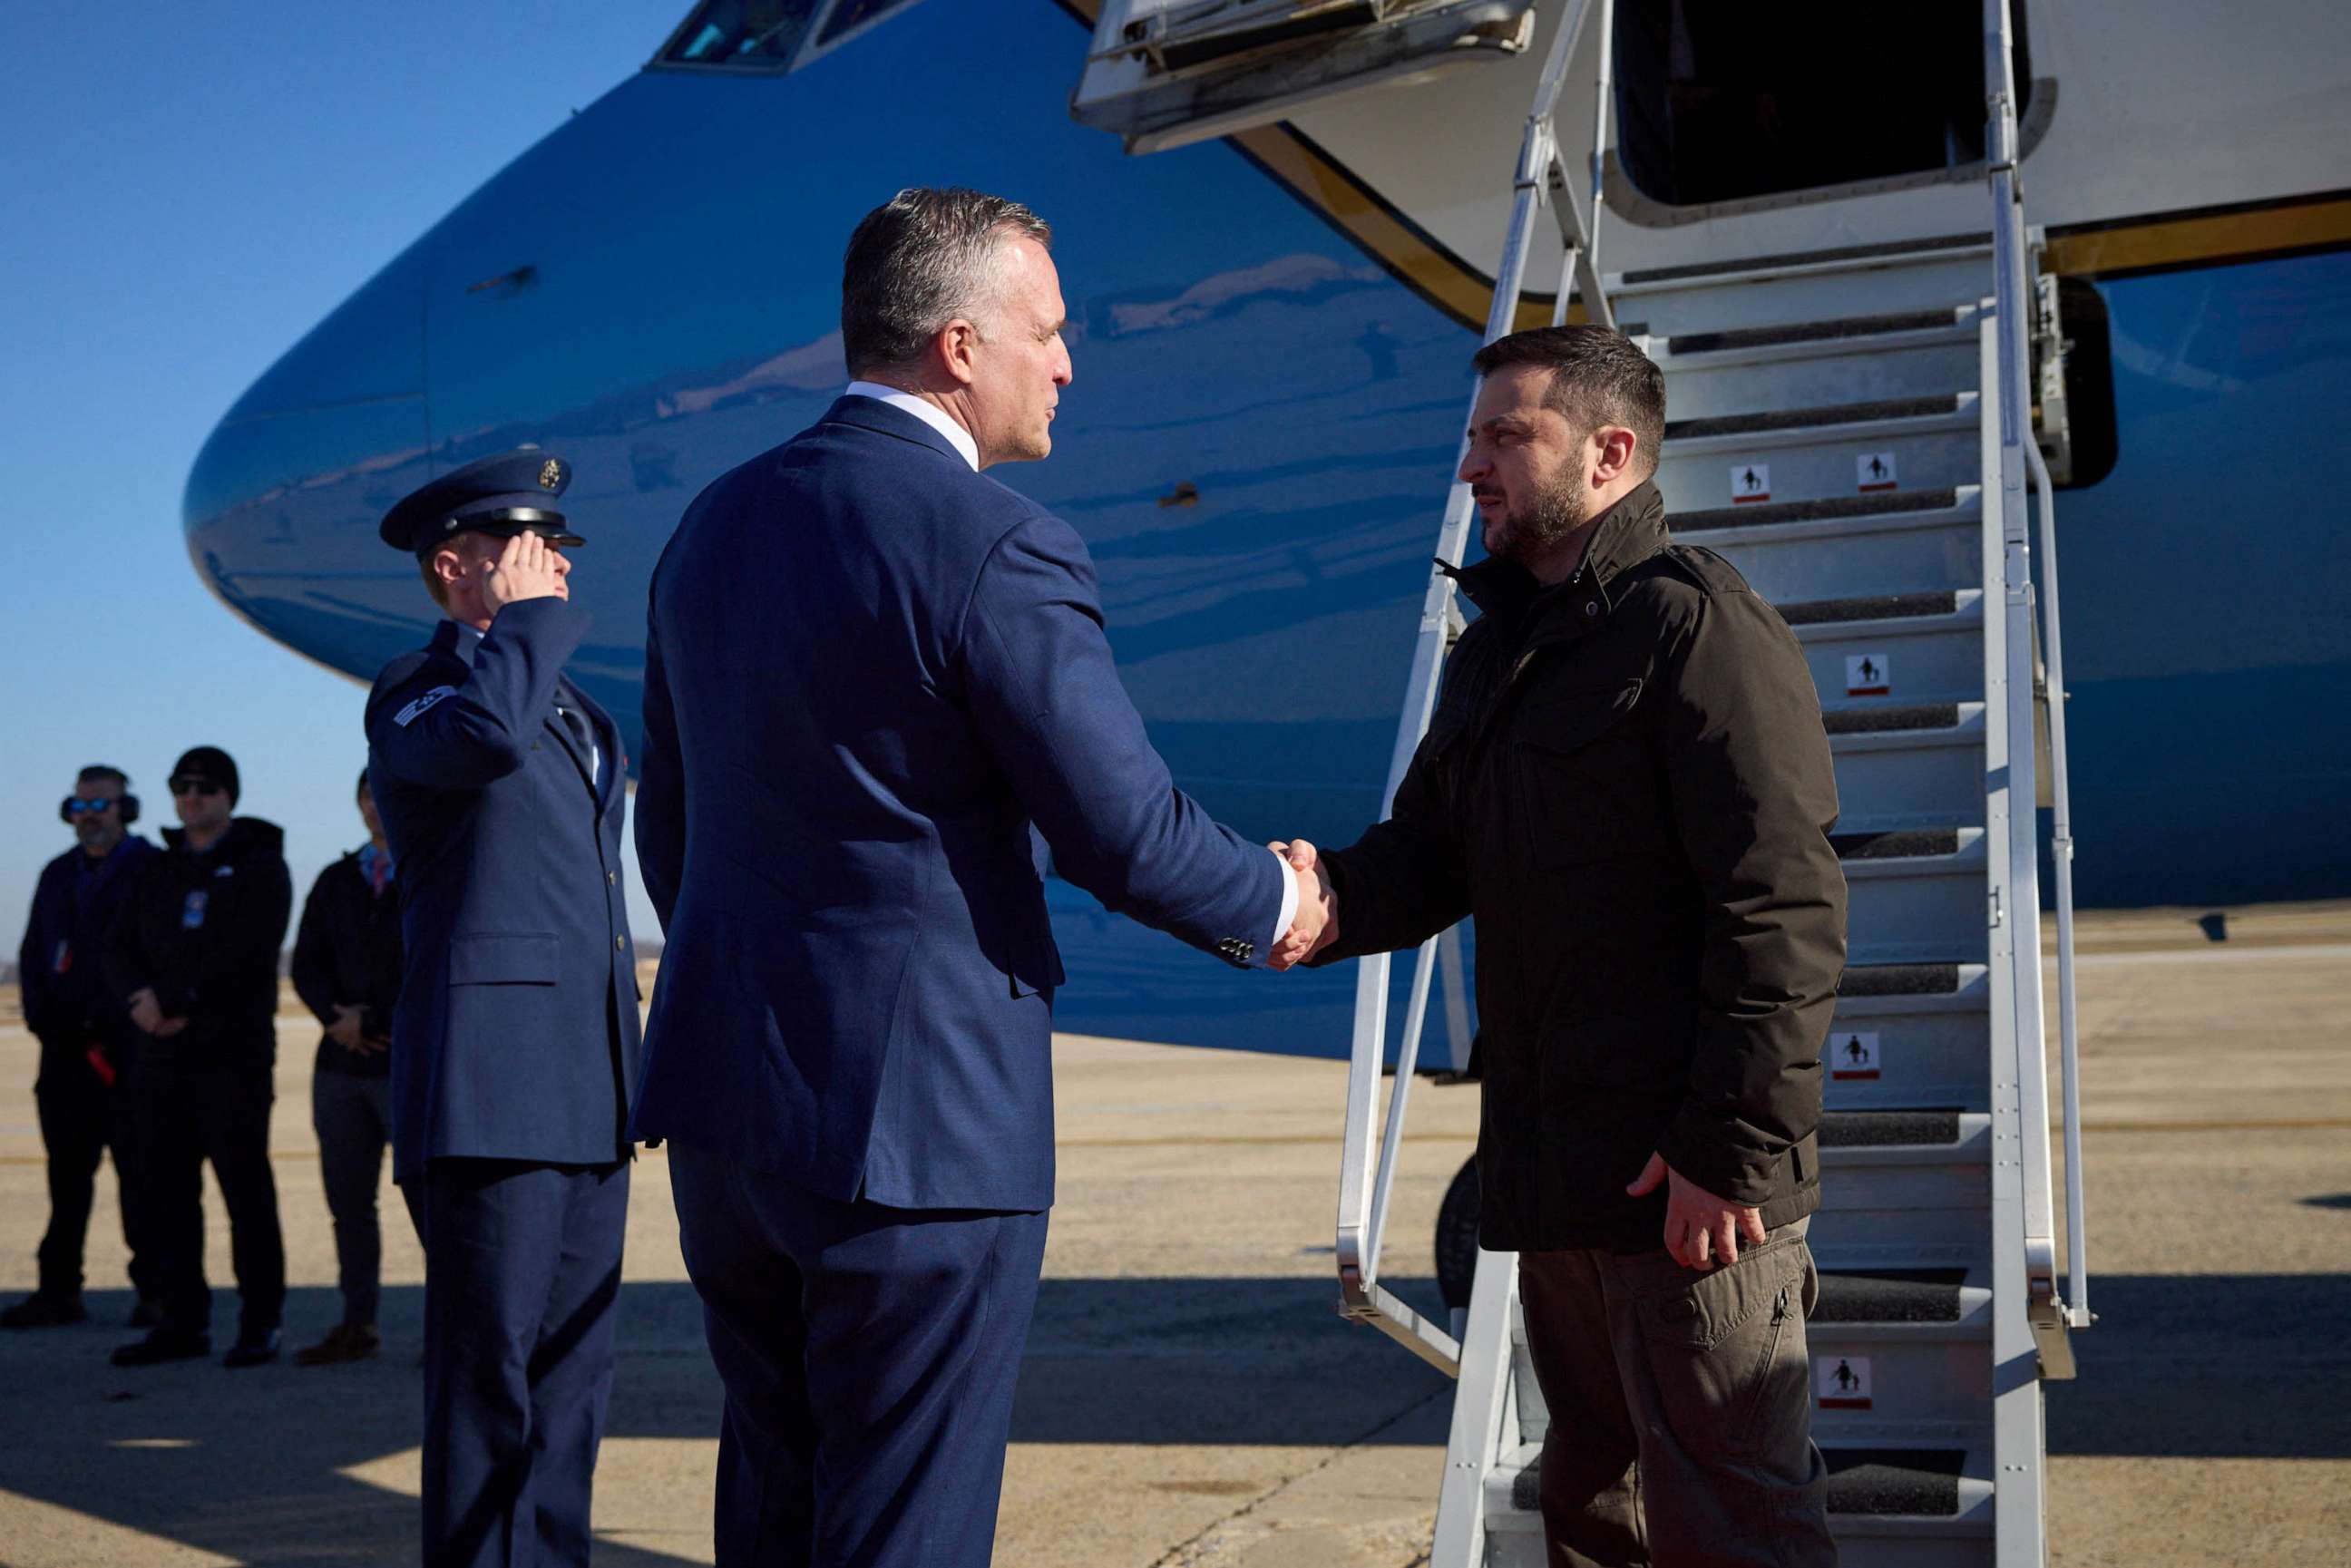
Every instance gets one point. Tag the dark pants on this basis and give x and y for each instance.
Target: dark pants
(81, 1121)
(522, 1271)
(184, 1114)
(350, 1114)
(1681, 1409)
(869, 1356)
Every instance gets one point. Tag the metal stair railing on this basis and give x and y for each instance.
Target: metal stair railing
(1367, 1174)
(2019, 458)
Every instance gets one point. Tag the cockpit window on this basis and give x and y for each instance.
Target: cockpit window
(767, 34)
(755, 35)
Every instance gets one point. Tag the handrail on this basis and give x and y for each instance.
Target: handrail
(2020, 456)
(1365, 1180)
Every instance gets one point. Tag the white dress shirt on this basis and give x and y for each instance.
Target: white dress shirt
(937, 418)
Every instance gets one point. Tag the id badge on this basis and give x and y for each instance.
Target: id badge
(62, 963)
(191, 913)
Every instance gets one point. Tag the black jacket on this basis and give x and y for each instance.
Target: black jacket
(204, 930)
(346, 952)
(1627, 782)
(61, 961)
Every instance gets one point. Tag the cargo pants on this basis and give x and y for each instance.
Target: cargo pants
(1681, 1409)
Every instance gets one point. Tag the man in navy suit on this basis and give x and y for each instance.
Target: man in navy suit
(870, 669)
(499, 783)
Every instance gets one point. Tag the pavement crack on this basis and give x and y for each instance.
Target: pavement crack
(1180, 1555)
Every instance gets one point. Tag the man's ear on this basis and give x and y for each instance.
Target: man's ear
(1618, 446)
(956, 347)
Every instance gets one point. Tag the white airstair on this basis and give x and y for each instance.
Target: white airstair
(1853, 430)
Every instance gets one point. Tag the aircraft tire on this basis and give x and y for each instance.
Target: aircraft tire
(1457, 1237)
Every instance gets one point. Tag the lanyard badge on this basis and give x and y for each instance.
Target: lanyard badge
(191, 913)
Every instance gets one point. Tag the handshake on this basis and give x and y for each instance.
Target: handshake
(1316, 924)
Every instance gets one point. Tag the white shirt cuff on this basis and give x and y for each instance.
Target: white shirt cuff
(1289, 911)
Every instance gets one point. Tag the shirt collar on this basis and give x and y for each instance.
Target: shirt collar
(930, 413)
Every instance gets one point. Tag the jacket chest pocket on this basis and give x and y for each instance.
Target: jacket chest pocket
(1586, 789)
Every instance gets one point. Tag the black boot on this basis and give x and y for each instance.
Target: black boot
(253, 1347)
(45, 1310)
(165, 1344)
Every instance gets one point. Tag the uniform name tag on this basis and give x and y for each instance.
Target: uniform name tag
(408, 714)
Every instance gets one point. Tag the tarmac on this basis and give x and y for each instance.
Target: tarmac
(1190, 1397)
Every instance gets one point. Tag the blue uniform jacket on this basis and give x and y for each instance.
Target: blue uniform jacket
(868, 671)
(517, 1032)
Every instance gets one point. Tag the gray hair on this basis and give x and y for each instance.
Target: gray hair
(920, 260)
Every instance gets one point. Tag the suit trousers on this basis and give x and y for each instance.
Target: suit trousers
(183, 1114)
(869, 1356)
(522, 1272)
(1681, 1408)
(81, 1121)
(351, 1114)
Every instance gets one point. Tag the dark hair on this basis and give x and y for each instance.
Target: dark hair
(363, 785)
(104, 771)
(918, 261)
(1598, 377)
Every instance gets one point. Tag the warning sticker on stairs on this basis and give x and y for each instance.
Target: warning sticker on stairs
(1841, 1382)
(1873, 471)
(1868, 676)
(1853, 1056)
(1750, 481)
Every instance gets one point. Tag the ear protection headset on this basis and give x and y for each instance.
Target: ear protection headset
(128, 802)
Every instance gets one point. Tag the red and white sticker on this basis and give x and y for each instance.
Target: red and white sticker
(1841, 1382)
(1853, 1056)
(1873, 471)
(1750, 481)
(1868, 676)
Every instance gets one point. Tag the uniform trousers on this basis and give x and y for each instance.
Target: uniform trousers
(869, 1356)
(82, 1120)
(351, 1114)
(1681, 1409)
(184, 1114)
(522, 1272)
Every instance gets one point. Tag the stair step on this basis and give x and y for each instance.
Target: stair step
(1882, 1483)
(1837, 259)
(1826, 508)
(1898, 844)
(1892, 1296)
(1887, 1129)
(1742, 337)
(1899, 979)
(1889, 717)
(1830, 416)
(1904, 779)
(1870, 607)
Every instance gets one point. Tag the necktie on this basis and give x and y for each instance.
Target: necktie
(577, 722)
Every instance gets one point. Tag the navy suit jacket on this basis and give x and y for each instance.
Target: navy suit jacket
(869, 670)
(515, 1037)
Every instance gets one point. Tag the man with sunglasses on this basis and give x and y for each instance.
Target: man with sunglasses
(193, 956)
(514, 1049)
(85, 1036)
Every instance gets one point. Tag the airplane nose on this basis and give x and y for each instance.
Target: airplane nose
(281, 504)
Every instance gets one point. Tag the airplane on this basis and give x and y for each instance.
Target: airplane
(1279, 228)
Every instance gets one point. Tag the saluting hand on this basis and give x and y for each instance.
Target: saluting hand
(528, 568)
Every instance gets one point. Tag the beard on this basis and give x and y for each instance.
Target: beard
(1524, 534)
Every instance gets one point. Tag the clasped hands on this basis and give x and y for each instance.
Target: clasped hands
(348, 1031)
(148, 1014)
(1316, 924)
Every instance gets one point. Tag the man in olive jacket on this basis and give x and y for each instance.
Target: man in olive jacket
(1627, 782)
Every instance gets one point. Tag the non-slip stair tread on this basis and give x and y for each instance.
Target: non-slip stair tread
(1887, 1129)
(1899, 980)
(1891, 1480)
(1895, 844)
(1871, 607)
(1825, 509)
(1805, 418)
(1804, 259)
(1892, 717)
(1809, 332)
(1890, 1296)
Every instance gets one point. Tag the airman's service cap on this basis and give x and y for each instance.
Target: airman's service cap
(513, 493)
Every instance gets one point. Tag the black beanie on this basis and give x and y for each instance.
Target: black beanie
(211, 764)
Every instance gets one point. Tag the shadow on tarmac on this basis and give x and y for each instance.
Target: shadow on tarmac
(260, 1466)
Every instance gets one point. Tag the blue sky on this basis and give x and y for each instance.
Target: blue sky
(188, 188)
